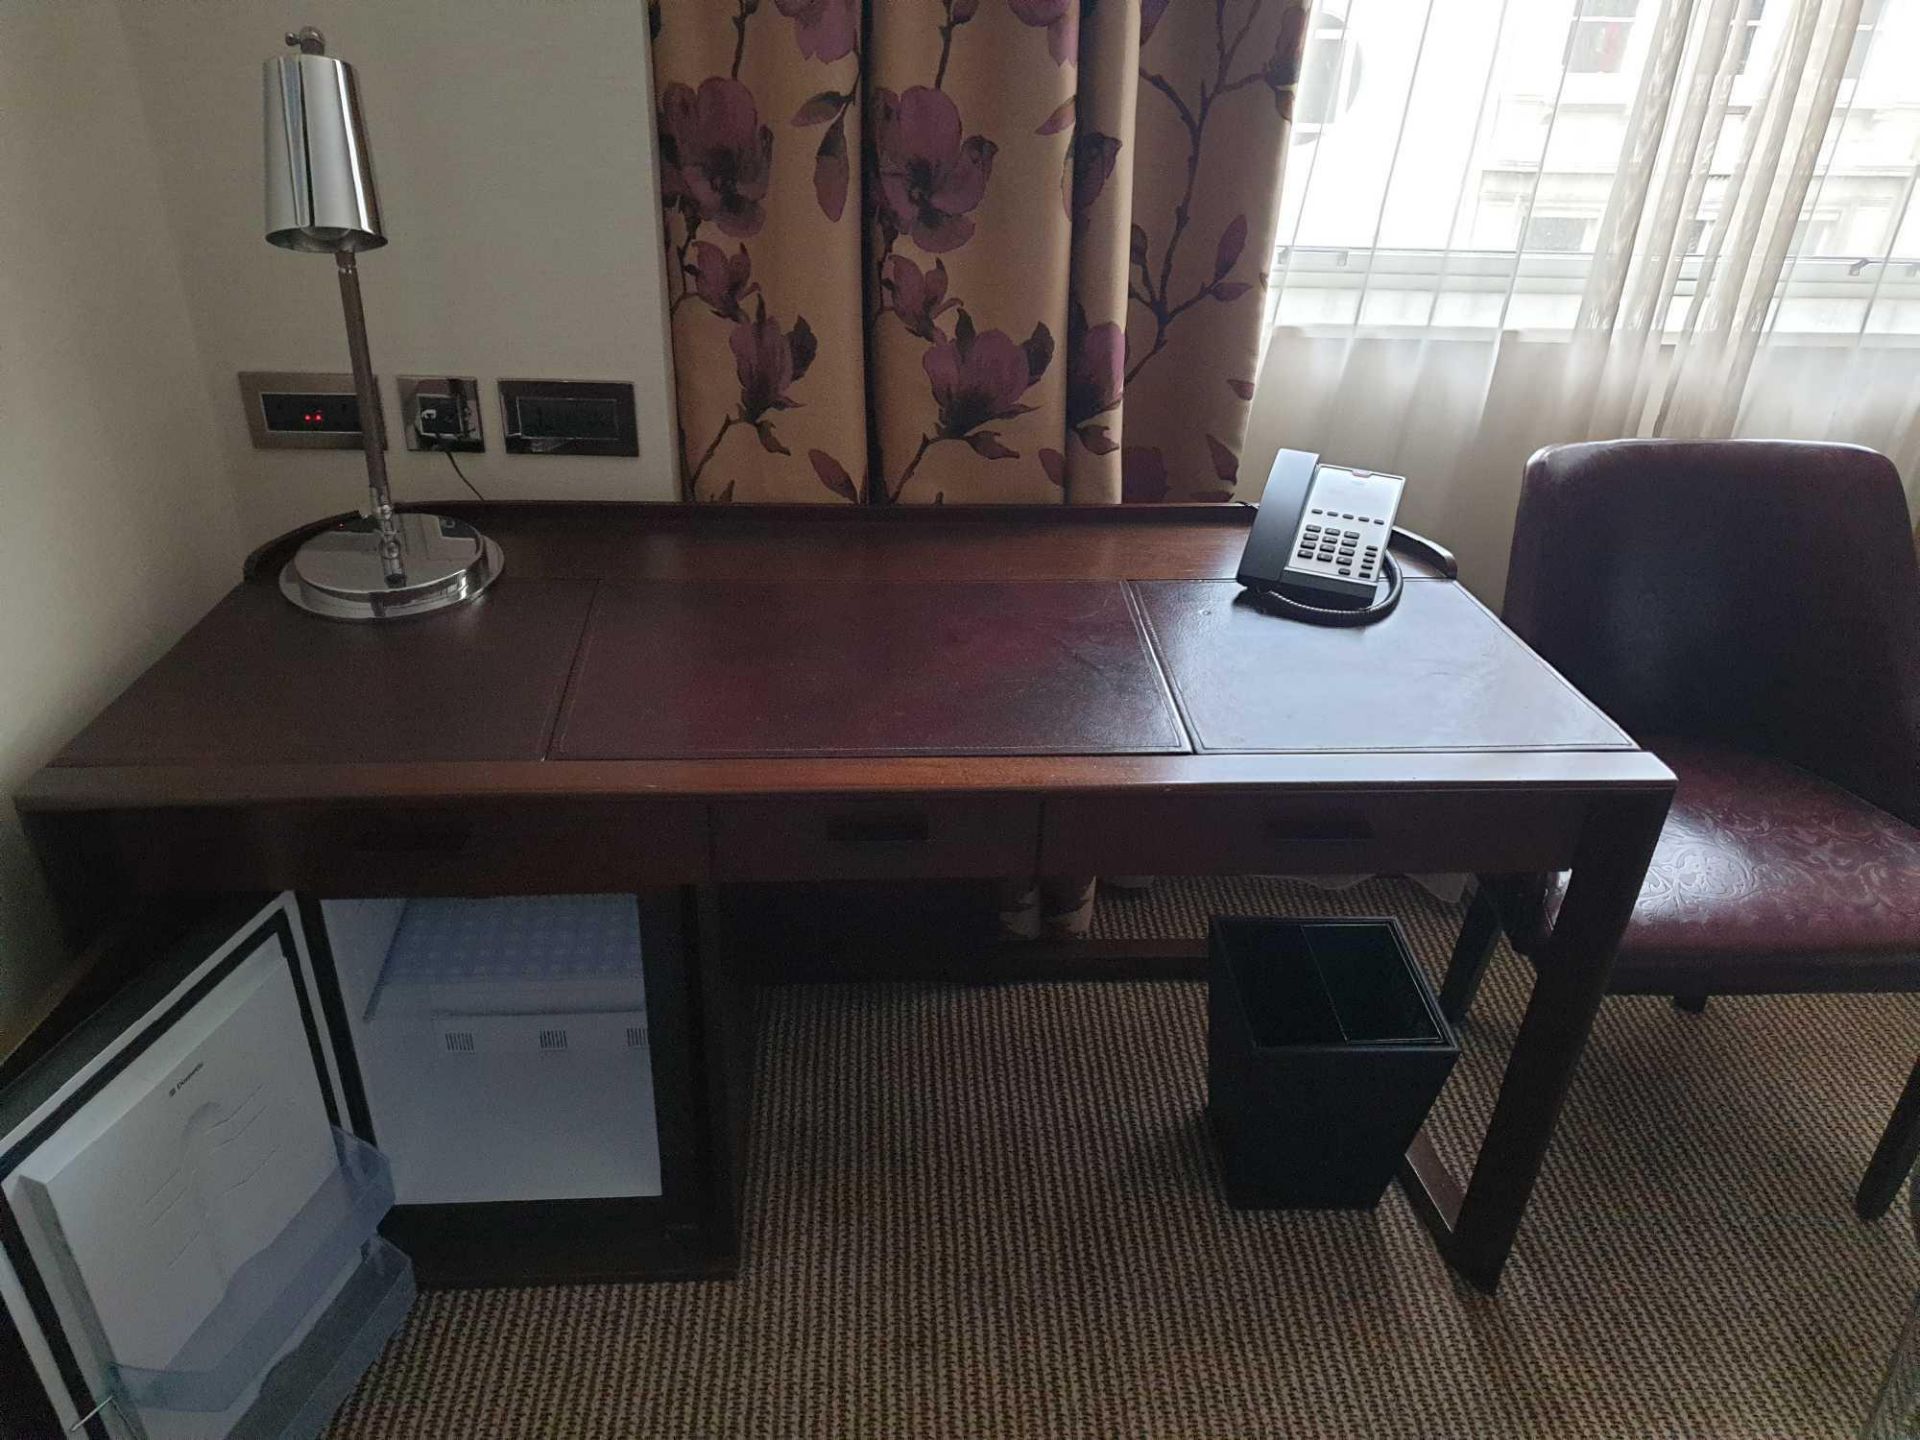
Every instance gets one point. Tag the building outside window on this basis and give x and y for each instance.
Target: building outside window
(1556, 232)
(1871, 12)
(1749, 33)
(1597, 39)
(1329, 74)
(1451, 170)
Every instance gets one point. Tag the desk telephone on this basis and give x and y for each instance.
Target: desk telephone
(1321, 547)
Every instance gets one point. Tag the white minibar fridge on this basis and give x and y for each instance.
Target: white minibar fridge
(195, 1181)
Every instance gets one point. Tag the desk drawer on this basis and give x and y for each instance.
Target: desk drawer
(468, 848)
(1321, 833)
(822, 839)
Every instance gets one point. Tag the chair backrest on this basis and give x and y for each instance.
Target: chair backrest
(1758, 592)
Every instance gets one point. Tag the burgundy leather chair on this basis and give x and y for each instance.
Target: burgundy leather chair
(1750, 611)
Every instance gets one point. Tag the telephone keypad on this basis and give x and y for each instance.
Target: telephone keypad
(1337, 547)
(1343, 547)
(1340, 549)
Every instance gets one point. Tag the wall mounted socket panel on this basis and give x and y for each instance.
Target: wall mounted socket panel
(568, 417)
(441, 412)
(304, 410)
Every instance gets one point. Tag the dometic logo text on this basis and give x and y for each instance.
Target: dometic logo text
(177, 1085)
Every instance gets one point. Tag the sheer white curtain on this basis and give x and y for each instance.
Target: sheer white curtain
(1515, 222)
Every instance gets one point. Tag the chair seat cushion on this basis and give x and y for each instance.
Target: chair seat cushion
(1768, 879)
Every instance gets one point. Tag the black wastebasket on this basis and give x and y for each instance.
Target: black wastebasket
(1325, 1049)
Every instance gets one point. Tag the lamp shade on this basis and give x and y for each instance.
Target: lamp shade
(320, 192)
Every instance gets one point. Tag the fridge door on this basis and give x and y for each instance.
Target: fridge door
(188, 1243)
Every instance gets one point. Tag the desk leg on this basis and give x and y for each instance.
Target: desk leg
(1894, 1156)
(1571, 980)
(723, 1010)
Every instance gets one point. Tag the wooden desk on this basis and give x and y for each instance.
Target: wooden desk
(670, 696)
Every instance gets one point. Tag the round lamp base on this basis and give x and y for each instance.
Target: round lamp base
(338, 573)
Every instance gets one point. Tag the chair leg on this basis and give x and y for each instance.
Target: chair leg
(1894, 1158)
(1479, 933)
(1691, 1004)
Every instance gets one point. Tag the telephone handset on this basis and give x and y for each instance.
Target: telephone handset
(1320, 547)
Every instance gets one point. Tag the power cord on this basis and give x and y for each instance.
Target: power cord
(447, 450)
(440, 437)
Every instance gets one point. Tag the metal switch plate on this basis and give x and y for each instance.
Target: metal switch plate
(441, 412)
(568, 417)
(304, 410)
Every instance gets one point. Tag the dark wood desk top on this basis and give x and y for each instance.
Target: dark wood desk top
(260, 682)
(1440, 673)
(683, 668)
(734, 650)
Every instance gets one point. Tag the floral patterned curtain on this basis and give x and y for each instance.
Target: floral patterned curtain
(969, 250)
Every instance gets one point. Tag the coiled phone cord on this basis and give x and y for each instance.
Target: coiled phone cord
(1333, 616)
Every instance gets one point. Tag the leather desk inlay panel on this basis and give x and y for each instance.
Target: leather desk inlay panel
(865, 668)
(258, 681)
(1440, 673)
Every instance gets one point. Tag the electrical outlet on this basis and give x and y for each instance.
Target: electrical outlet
(568, 417)
(303, 410)
(441, 412)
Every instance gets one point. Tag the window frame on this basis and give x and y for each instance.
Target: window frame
(1561, 273)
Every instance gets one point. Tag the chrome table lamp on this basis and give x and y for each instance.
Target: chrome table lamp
(320, 198)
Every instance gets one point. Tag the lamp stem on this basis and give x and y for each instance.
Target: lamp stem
(372, 437)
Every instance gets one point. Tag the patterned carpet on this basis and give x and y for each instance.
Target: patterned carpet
(991, 1212)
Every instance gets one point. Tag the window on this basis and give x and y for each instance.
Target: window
(1812, 236)
(1749, 32)
(1480, 207)
(1597, 41)
(1870, 15)
(1329, 75)
(1556, 232)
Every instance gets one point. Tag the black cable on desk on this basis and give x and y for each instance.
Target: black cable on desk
(1333, 616)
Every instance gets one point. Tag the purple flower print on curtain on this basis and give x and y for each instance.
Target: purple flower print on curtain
(1096, 375)
(918, 297)
(1090, 162)
(954, 175)
(766, 360)
(721, 280)
(716, 155)
(977, 379)
(825, 29)
(1059, 18)
(930, 177)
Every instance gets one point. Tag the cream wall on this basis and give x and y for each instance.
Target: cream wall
(513, 142)
(117, 524)
(513, 146)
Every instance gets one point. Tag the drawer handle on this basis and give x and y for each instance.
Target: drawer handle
(1324, 829)
(415, 837)
(895, 829)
